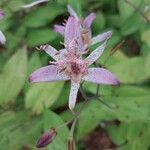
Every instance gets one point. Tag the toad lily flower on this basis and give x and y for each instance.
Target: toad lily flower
(85, 27)
(2, 37)
(69, 64)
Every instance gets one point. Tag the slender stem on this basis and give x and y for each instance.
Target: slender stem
(71, 137)
(97, 90)
(138, 10)
(65, 124)
(94, 97)
(72, 128)
(105, 103)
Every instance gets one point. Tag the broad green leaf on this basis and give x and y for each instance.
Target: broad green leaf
(63, 97)
(38, 37)
(33, 64)
(133, 70)
(42, 95)
(117, 133)
(145, 37)
(91, 116)
(41, 16)
(125, 9)
(132, 134)
(132, 108)
(52, 120)
(127, 103)
(116, 58)
(132, 24)
(129, 91)
(18, 130)
(114, 20)
(99, 23)
(15, 5)
(13, 77)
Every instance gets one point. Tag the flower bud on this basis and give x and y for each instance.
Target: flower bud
(46, 138)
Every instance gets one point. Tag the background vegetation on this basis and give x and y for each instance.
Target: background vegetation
(28, 110)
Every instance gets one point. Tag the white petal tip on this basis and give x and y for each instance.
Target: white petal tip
(2, 38)
(34, 3)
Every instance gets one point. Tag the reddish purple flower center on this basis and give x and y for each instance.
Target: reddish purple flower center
(74, 67)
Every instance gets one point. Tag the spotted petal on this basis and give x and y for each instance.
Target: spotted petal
(73, 94)
(72, 12)
(89, 20)
(96, 54)
(73, 40)
(60, 29)
(2, 38)
(34, 3)
(101, 37)
(100, 76)
(51, 51)
(47, 74)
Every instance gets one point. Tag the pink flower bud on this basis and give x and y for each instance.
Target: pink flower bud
(46, 138)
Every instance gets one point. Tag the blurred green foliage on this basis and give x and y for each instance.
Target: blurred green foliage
(28, 110)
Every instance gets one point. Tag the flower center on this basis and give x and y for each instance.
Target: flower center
(74, 67)
(77, 67)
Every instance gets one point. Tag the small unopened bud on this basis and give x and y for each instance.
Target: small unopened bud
(46, 138)
(70, 143)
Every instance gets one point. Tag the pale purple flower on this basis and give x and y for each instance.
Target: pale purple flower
(69, 64)
(85, 27)
(35, 2)
(2, 36)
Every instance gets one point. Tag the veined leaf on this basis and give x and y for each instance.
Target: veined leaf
(133, 70)
(42, 95)
(13, 77)
(38, 37)
(42, 15)
(52, 120)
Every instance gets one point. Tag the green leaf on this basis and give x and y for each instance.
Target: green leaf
(38, 37)
(130, 135)
(116, 58)
(127, 104)
(133, 70)
(41, 16)
(33, 64)
(13, 77)
(117, 133)
(63, 97)
(145, 37)
(42, 95)
(125, 9)
(15, 5)
(52, 120)
(18, 130)
(132, 24)
(91, 116)
(99, 23)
